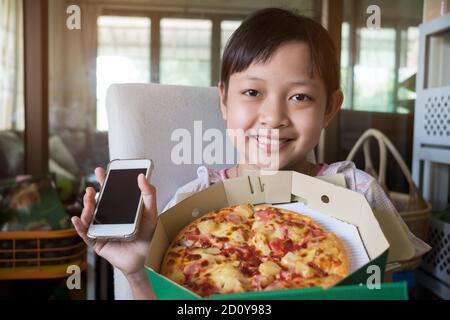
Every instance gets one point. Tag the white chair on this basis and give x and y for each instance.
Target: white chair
(142, 118)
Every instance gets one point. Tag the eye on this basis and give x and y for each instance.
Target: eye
(301, 97)
(251, 93)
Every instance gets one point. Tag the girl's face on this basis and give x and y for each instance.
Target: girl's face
(279, 94)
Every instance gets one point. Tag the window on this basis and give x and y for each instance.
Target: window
(12, 107)
(11, 66)
(123, 55)
(186, 52)
(226, 29)
(409, 59)
(374, 71)
(378, 65)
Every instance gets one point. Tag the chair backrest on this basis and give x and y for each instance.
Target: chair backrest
(142, 119)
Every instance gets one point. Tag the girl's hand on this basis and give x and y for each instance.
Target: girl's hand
(127, 256)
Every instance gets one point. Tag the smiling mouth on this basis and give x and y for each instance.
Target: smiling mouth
(269, 144)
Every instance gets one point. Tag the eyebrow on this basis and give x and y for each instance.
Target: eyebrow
(298, 82)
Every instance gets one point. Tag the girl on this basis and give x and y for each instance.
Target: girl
(279, 72)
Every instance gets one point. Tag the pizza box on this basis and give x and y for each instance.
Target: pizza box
(324, 197)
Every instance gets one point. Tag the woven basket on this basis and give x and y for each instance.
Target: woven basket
(414, 210)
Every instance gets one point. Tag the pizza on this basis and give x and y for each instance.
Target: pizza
(253, 248)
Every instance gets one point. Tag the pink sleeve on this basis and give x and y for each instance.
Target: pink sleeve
(361, 182)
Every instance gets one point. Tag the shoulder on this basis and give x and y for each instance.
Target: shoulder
(205, 177)
(361, 182)
(356, 179)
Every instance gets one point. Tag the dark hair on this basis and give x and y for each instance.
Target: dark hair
(262, 32)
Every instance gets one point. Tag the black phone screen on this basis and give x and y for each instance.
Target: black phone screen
(120, 198)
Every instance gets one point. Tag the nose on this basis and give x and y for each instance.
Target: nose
(273, 113)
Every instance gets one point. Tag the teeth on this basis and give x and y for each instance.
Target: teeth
(265, 140)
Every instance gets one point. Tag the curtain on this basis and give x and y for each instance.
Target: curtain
(72, 67)
(11, 66)
(72, 87)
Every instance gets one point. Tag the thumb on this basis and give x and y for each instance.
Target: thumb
(148, 196)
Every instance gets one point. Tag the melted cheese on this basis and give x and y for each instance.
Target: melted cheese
(209, 254)
(228, 277)
(207, 226)
(222, 230)
(269, 269)
(258, 224)
(186, 243)
(278, 233)
(268, 229)
(237, 236)
(303, 269)
(298, 264)
(332, 251)
(289, 260)
(327, 247)
(212, 250)
(244, 210)
(260, 243)
(296, 234)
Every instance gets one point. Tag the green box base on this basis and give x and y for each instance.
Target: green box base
(387, 291)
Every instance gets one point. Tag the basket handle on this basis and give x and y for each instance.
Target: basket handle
(416, 201)
(369, 168)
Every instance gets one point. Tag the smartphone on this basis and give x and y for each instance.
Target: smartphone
(118, 208)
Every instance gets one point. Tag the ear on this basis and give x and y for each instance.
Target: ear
(223, 100)
(334, 105)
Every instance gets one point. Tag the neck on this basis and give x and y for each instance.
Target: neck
(304, 167)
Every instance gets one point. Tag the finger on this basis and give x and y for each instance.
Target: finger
(82, 230)
(148, 196)
(89, 205)
(100, 174)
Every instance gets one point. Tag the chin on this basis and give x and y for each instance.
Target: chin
(281, 165)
